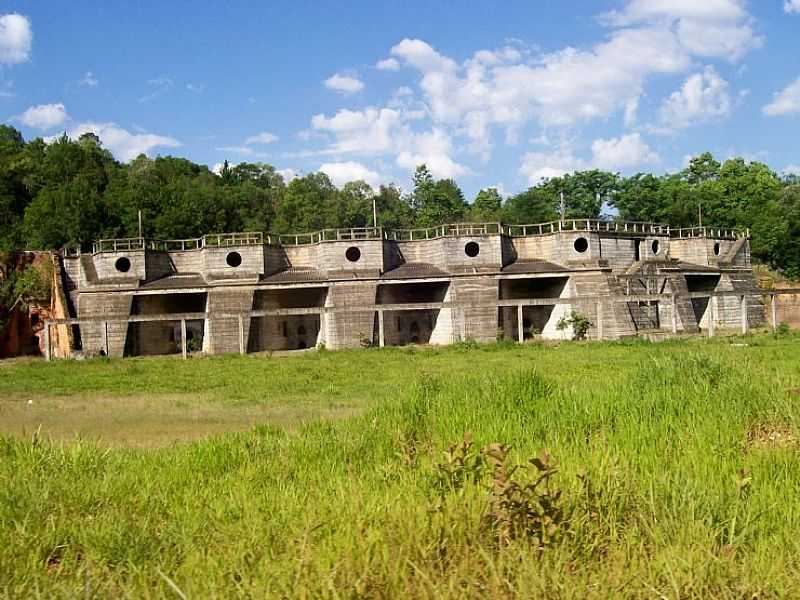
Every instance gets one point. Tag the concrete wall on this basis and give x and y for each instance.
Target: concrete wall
(348, 330)
(217, 262)
(222, 334)
(489, 247)
(711, 252)
(106, 305)
(471, 320)
(107, 265)
(368, 254)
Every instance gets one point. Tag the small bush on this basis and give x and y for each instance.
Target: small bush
(576, 321)
(519, 508)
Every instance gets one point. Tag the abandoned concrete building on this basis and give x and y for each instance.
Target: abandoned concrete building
(252, 292)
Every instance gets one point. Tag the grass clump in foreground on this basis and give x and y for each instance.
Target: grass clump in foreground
(672, 471)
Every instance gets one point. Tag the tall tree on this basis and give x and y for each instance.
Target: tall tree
(436, 201)
(487, 206)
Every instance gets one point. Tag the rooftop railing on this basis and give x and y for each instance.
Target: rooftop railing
(325, 235)
(587, 225)
(454, 230)
(427, 233)
(710, 232)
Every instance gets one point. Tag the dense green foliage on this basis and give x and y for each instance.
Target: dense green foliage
(73, 192)
(676, 477)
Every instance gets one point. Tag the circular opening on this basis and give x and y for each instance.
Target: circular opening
(234, 259)
(716, 248)
(352, 254)
(123, 264)
(472, 249)
(654, 246)
(581, 245)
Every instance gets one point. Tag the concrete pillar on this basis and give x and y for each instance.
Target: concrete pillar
(381, 330)
(47, 340)
(520, 323)
(104, 336)
(773, 305)
(674, 314)
(600, 332)
(183, 338)
(241, 335)
(323, 336)
(744, 314)
(712, 301)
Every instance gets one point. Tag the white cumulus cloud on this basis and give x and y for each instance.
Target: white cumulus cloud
(792, 170)
(537, 166)
(387, 64)
(345, 172)
(710, 28)
(388, 131)
(287, 174)
(344, 84)
(122, 143)
(703, 96)
(785, 102)
(791, 6)
(265, 137)
(44, 116)
(612, 154)
(458, 107)
(622, 153)
(15, 39)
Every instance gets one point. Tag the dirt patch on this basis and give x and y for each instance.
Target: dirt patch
(150, 420)
(772, 436)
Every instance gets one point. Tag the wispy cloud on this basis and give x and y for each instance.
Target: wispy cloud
(160, 85)
(88, 80)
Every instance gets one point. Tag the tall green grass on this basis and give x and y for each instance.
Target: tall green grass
(678, 476)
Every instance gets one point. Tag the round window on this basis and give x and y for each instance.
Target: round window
(123, 264)
(654, 246)
(716, 248)
(352, 254)
(234, 259)
(472, 249)
(581, 245)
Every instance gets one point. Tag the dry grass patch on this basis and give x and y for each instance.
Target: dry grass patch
(772, 436)
(149, 420)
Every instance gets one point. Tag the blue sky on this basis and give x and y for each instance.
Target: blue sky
(494, 94)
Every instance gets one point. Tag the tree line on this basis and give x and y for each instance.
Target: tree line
(74, 191)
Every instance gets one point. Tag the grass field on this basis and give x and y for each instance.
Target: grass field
(671, 470)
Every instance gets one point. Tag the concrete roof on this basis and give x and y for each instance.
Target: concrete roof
(533, 266)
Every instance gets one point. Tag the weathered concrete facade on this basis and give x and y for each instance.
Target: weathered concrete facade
(356, 287)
